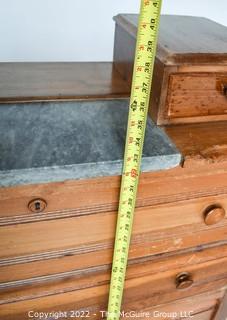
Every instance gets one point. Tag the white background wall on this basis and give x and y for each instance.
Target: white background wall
(77, 30)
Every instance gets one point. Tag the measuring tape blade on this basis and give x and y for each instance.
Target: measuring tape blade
(146, 44)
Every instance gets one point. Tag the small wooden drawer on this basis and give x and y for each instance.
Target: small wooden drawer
(196, 95)
(190, 77)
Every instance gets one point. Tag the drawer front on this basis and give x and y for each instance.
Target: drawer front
(146, 287)
(197, 95)
(197, 307)
(151, 223)
(161, 229)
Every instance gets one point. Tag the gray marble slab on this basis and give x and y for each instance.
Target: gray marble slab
(57, 141)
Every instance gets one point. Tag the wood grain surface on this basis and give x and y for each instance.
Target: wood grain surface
(95, 299)
(200, 94)
(154, 223)
(37, 81)
(169, 234)
(222, 312)
(206, 39)
(154, 281)
(200, 143)
(73, 198)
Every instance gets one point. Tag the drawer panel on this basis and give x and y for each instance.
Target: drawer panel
(18, 271)
(176, 226)
(195, 95)
(145, 287)
(21, 311)
(86, 197)
(200, 307)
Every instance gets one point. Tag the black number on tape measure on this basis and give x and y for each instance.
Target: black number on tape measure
(115, 269)
(130, 201)
(137, 143)
(140, 125)
(152, 25)
(146, 69)
(149, 46)
(135, 157)
(145, 87)
(134, 105)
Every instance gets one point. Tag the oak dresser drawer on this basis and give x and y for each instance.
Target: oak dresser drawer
(197, 94)
(163, 280)
(160, 229)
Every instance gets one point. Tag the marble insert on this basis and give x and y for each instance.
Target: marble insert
(56, 141)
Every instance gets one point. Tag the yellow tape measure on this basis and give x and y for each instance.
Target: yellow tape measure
(147, 35)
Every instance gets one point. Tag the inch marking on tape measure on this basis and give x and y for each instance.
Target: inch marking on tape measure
(146, 44)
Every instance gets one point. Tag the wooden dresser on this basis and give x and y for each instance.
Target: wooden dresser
(57, 237)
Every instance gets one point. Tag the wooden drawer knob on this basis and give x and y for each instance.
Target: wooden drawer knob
(37, 205)
(224, 89)
(214, 214)
(183, 281)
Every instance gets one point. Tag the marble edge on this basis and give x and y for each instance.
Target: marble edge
(11, 178)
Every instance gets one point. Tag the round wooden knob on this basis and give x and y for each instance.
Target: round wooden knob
(214, 214)
(37, 205)
(183, 281)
